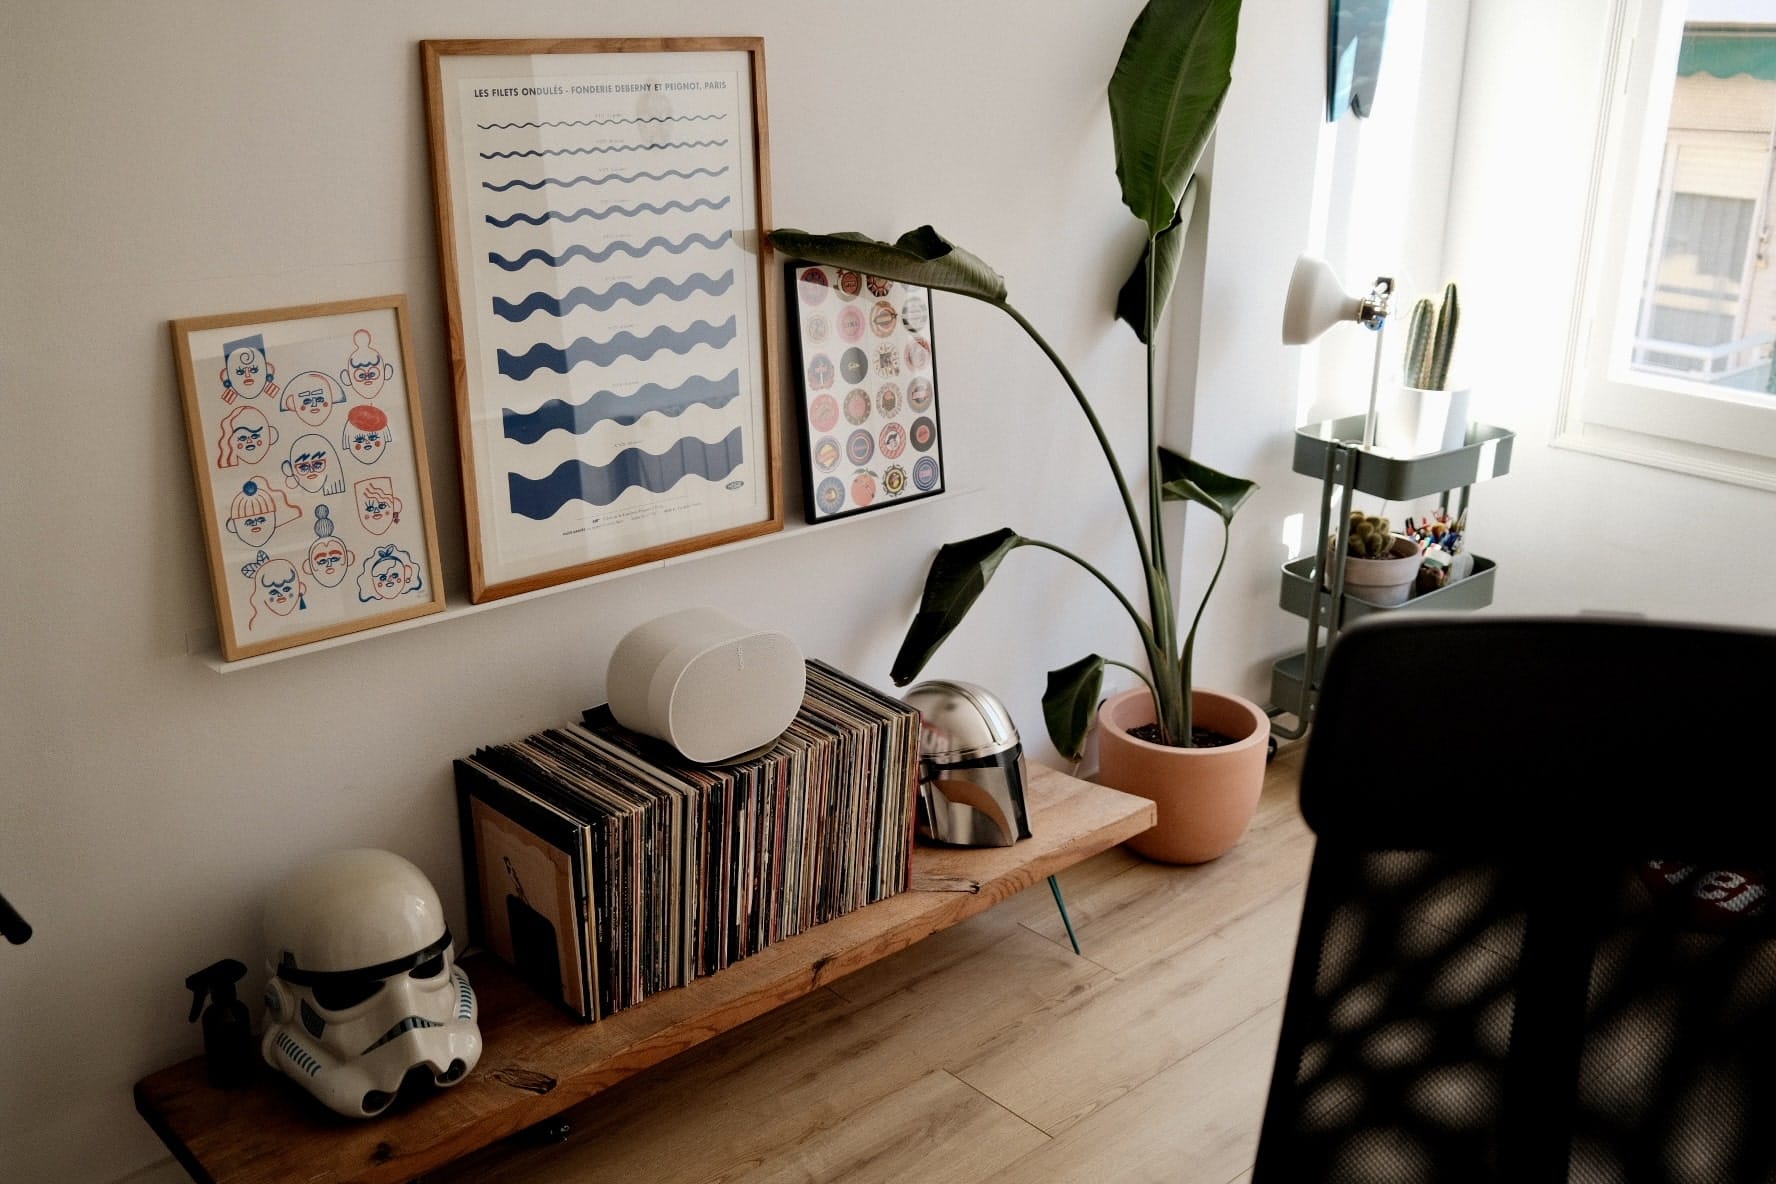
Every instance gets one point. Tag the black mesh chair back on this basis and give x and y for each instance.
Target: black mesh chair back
(1535, 945)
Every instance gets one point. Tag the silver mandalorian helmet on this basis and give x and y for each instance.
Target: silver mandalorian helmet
(971, 767)
(364, 986)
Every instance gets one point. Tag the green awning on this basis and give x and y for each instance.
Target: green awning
(1727, 54)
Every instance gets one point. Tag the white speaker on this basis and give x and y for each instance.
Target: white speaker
(706, 684)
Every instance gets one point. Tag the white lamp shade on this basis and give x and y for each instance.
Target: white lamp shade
(1316, 301)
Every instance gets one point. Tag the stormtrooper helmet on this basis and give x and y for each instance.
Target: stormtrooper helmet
(364, 987)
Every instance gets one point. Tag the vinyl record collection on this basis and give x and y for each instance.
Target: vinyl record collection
(605, 868)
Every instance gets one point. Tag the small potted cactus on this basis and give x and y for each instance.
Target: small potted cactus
(1381, 566)
(1422, 415)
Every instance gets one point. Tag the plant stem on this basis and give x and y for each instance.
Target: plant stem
(1184, 658)
(1166, 704)
(1148, 641)
(1136, 671)
(1156, 529)
(1122, 487)
(1159, 638)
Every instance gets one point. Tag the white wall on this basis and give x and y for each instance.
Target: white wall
(192, 157)
(1570, 531)
(1366, 195)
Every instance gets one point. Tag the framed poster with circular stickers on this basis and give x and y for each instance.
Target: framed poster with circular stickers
(866, 377)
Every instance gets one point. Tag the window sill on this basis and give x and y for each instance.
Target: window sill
(1659, 452)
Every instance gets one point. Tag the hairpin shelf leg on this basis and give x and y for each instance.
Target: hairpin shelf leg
(1054, 885)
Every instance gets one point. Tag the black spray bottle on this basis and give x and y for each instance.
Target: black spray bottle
(227, 1029)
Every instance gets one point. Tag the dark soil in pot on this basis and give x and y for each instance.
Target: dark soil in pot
(1199, 737)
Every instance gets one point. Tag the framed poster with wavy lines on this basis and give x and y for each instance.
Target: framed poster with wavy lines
(611, 303)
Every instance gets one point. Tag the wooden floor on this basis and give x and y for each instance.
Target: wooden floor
(990, 1052)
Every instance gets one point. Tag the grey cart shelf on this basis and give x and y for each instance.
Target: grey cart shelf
(1332, 451)
(1486, 454)
(1469, 593)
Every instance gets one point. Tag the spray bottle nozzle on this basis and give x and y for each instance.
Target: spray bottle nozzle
(215, 980)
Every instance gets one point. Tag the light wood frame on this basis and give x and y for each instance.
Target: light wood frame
(334, 340)
(542, 96)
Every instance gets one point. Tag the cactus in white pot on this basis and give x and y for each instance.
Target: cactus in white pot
(1423, 414)
(1430, 340)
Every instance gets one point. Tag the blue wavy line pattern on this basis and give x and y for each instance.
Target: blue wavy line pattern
(544, 356)
(607, 179)
(490, 127)
(671, 207)
(582, 297)
(623, 410)
(580, 251)
(600, 149)
(600, 485)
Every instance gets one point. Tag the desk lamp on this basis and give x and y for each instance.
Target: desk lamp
(1317, 301)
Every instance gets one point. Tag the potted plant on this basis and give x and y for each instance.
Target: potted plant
(1164, 96)
(1424, 415)
(1379, 566)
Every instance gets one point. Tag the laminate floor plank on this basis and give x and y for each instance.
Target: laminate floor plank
(934, 1129)
(1036, 904)
(931, 957)
(1195, 1123)
(989, 1052)
(763, 1091)
(636, 1130)
(1149, 908)
(1106, 1041)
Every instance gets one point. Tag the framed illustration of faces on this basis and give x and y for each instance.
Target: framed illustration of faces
(601, 212)
(310, 463)
(866, 371)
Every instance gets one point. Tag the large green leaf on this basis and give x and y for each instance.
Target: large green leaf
(957, 577)
(921, 256)
(1184, 480)
(1164, 96)
(1069, 703)
(1131, 302)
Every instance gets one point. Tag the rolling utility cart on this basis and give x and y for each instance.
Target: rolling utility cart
(1331, 450)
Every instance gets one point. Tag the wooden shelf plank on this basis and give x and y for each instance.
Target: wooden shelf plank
(538, 1060)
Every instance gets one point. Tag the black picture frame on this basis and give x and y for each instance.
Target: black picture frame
(1354, 36)
(864, 357)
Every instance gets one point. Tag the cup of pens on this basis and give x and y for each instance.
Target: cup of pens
(1446, 558)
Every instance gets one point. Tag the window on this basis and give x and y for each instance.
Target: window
(1693, 308)
(1671, 358)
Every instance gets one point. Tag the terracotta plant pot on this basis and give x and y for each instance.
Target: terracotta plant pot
(1383, 581)
(1206, 796)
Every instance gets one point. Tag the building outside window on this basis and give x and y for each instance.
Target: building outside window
(1670, 355)
(1707, 307)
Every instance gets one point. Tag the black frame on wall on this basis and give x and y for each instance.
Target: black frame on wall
(864, 354)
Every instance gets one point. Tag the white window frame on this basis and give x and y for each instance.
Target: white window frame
(1606, 407)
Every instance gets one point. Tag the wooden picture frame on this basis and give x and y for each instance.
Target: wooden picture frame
(308, 453)
(865, 361)
(602, 207)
